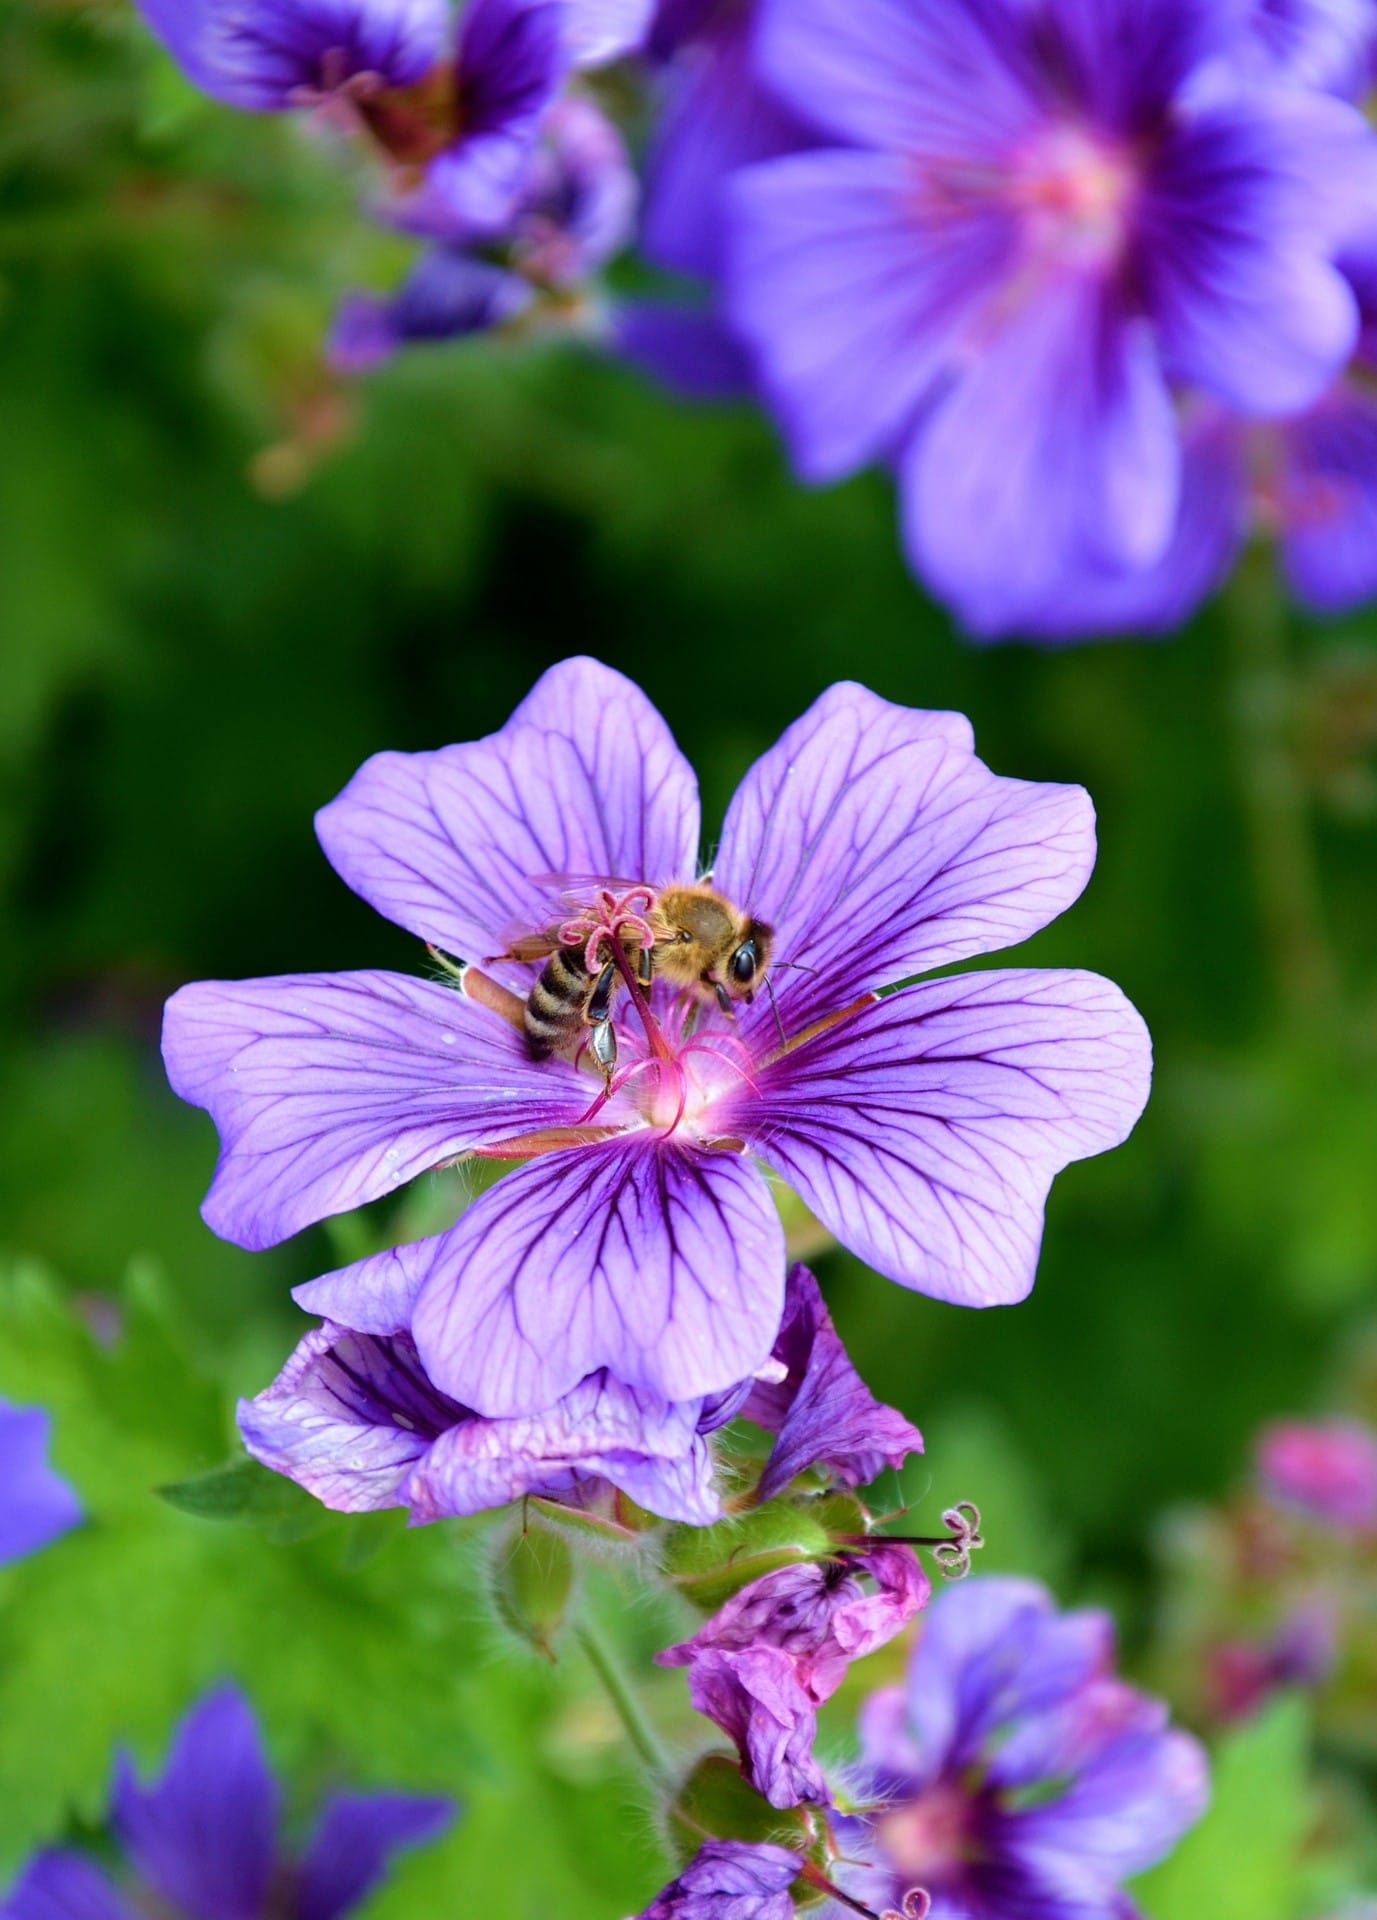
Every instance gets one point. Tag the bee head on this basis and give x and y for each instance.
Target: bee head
(748, 961)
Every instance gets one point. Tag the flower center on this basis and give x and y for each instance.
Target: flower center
(1076, 193)
(930, 1836)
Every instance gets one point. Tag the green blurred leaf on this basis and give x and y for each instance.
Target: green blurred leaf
(1243, 1862)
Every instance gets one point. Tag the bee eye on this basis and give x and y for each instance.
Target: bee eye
(685, 939)
(743, 963)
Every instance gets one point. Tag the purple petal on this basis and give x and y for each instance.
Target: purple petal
(757, 1699)
(731, 1880)
(353, 1845)
(867, 814)
(924, 1131)
(854, 290)
(662, 1263)
(1124, 61)
(1321, 43)
(36, 1505)
(598, 31)
(205, 1836)
(348, 1418)
(1126, 1808)
(1055, 454)
(266, 54)
(602, 1431)
(1211, 528)
(823, 1412)
(689, 350)
(57, 1885)
(446, 296)
(459, 845)
(1328, 504)
(1240, 220)
(993, 1651)
(906, 75)
(329, 1090)
(716, 118)
(510, 64)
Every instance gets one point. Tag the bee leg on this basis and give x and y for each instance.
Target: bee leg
(599, 1009)
(724, 999)
(603, 1041)
(645, 969)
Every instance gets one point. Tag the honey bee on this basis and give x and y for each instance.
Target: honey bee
(700, 942)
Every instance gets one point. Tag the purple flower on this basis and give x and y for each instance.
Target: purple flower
(203, 1840)
(765, 1662)
(1013, 1773)
(36, 1505)
(640, 1236)
(1032, 216)
(574, 209)
(270, 55)
(354, 1418)
(1326, 1470)
(1301, 1652)
(731, 1880)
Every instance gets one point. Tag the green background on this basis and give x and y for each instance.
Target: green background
(225, 581)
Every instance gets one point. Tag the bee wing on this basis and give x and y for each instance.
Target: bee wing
(567, 892)
(530, 946)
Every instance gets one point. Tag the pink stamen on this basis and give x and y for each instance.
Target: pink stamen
(612, 922)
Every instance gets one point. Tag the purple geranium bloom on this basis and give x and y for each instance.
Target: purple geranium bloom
(765, 1662)
(923, 1128)
(1326, 1470)
(354, 1418)
(202, 1842)
(1033, 215)
(36, 1505)
(1014, 1773)
(731, 1880)
(575, 209)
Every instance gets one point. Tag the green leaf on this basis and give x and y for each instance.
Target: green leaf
(1243, 1862)
(244, 1490)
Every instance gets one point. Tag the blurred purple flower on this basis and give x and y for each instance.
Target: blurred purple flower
(765, 1662)
(354, 1418)
(731, 1880)
(1326, 1470)
(1013, 1773)
(923, 1128)
(202, 1842)
(1032, 216)
(1243, 1675)
(36, 1504)
(575, 209)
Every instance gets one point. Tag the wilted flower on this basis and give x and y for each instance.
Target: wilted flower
(640, 1237)
(1326, 1470)
(731, 1880)
(1031, 218)
(1014, 1773)
(36, 1504)
(202, 1842)
(765, 1662)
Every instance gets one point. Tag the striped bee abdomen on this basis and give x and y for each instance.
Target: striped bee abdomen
(556, 1004)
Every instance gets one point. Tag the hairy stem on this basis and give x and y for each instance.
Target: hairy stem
(625, 1705)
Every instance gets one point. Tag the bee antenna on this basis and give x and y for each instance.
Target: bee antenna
(799, 966)
(774, 1009)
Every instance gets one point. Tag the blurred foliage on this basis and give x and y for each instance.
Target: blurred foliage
(225, 580)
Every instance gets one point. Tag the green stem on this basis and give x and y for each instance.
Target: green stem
(1285, 866)
(626, 1706)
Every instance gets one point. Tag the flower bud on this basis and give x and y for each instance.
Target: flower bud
(716, 1803)
(532, 1585)
(709, 1564)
